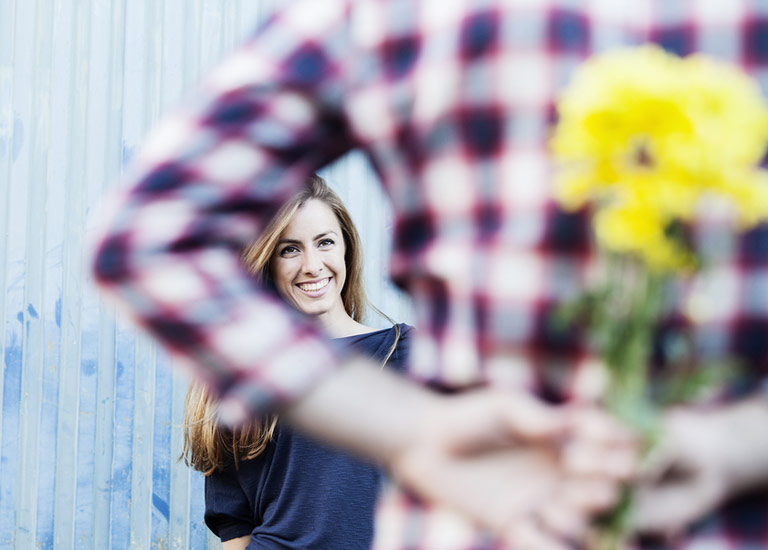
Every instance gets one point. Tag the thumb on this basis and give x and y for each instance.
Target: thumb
(590, 382)
(494, 418)
(527, 417)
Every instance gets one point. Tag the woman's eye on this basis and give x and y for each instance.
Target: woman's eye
(288, 250)
(326, 242)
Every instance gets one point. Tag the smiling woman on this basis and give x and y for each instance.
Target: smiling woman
(299, 230)
(267, 486)
(309, 269)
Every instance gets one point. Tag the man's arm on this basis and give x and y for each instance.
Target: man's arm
(462, 451)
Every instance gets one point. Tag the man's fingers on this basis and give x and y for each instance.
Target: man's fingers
(563, 520)
(583, 458)
(493, 418)
(529, 418)
(527, 534)
(590, 383)
(599, 447)
(671, 507)
(663, 511)
(589, 495)
(598, 426)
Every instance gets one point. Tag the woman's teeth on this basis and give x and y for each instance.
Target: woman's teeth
(313, 287)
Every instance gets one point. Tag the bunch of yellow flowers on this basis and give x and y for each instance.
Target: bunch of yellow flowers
(644, 135)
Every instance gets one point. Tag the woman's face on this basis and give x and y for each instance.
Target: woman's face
(308, 263)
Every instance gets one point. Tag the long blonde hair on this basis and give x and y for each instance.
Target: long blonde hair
(206, 442)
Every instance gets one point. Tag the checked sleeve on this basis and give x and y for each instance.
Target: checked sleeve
(206, 182)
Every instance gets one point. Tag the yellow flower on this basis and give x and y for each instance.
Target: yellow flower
(637, 230)
(643, 135)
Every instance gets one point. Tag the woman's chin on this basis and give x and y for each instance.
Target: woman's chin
(311, 308)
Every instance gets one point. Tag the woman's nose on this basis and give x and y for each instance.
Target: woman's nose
(312, 262)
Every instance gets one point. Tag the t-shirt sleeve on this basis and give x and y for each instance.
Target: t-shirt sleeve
(399, 358)
(227, 509)
(205, 184)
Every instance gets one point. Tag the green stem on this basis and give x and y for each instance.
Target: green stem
(626, 319)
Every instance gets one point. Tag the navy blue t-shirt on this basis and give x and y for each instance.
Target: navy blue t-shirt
(301, 494)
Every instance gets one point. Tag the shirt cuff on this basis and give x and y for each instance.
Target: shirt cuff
(228, 528)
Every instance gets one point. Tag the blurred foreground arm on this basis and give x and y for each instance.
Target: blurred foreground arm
(531, 473)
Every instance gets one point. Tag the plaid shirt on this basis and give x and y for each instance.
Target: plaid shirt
(453, 101)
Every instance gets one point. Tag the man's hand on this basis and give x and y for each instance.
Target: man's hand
(705, 458)
(532, 473)
(529, 472)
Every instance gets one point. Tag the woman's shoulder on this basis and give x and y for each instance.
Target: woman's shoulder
(378, 336)
(400, 344)
(398, 334)
(405, 328)
(389, 343)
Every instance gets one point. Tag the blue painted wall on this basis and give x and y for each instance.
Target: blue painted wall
(89, 409)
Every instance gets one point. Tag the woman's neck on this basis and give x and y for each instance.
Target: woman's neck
(339, 326)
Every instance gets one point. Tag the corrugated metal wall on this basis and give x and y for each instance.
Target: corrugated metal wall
(89, 409)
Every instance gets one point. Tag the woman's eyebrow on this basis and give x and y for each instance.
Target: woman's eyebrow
(297, 241)
(324, 234)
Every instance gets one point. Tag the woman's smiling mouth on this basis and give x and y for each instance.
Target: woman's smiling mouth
(315, 286)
